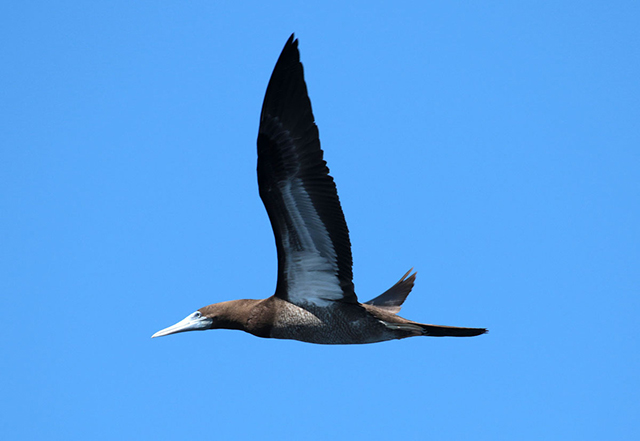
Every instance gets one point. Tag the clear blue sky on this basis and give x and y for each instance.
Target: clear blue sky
(495, 148)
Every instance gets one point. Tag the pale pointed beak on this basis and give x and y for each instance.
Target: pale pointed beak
(193, 322)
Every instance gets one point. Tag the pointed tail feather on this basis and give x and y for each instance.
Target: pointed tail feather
(451, 331)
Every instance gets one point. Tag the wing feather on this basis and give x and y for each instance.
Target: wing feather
(312, 239)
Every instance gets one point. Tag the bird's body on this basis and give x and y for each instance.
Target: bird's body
(334, 324)
(315, 300)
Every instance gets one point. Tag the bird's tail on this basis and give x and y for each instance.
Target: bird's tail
(434, 330)
(450, 331)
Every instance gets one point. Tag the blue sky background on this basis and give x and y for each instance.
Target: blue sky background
(493, 147)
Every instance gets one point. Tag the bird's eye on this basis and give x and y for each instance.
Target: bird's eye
(197, 314)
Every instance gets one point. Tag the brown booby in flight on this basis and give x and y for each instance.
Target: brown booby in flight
(314, 300)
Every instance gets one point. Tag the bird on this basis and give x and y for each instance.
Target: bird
(314, 299)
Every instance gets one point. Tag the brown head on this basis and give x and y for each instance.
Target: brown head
(225, 315)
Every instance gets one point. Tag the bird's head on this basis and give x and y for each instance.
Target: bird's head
(196, 321)
(224, 315)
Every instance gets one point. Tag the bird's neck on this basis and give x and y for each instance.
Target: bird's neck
(234, 314)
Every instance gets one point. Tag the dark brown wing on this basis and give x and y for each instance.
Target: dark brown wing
(314, 251)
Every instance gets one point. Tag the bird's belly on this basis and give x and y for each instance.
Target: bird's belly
(328, 326)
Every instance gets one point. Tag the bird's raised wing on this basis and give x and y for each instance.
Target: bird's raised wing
(314, 251)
